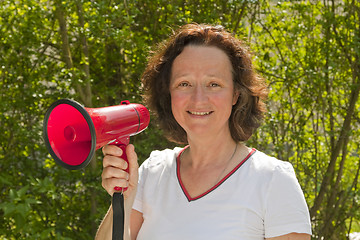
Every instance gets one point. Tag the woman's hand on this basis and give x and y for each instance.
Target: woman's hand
(114, 175)
(114, 170)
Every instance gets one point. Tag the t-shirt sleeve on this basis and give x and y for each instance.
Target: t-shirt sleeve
(286, 208)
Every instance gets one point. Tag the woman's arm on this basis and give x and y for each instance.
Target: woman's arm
(114, 175)
(136, 221)
(292, 236)
(105, 229)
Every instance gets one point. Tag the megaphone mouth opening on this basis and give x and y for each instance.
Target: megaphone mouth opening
(61, 129)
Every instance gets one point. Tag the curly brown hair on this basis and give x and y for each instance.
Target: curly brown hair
(249, 110)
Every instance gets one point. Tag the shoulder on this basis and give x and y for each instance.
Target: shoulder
(284, 205)
(158, 168)
(266, 169)
(161, 158)
(266, 164)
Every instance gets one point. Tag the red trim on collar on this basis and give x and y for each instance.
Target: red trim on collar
(214, 187)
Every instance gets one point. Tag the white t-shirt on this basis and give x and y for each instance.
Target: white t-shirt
(260, 198)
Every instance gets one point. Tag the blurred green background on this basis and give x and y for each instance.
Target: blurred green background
(95, 51)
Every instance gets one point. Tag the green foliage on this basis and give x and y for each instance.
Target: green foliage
(308, 51)
(311, 63)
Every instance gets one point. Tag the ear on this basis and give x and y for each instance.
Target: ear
(235, 97)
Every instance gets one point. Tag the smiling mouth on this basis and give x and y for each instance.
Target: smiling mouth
(200, 113)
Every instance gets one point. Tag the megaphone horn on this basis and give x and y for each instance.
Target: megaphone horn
(73, 133)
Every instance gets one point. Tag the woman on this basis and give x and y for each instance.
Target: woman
(206, 94)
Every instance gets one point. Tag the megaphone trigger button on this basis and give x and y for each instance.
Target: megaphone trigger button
(125, 102)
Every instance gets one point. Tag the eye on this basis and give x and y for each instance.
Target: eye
(184, 84)
(214, 84)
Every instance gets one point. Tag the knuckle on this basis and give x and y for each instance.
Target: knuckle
(105, 173)
(106, 160)
(105, 149)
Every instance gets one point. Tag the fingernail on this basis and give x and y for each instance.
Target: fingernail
(117, 188)
(119, 152)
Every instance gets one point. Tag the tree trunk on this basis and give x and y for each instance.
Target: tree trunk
(346, 127)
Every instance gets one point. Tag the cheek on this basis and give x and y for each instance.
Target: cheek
(176, 103)
(178, 99)
(225, 104)
(225, 100)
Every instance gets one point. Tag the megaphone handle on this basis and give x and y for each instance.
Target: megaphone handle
(118, 216)
(123, 148)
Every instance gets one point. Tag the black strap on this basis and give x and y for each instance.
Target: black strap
(118, 216)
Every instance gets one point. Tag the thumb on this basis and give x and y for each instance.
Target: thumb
(133, 164)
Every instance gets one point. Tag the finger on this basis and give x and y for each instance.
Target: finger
(133, 164)
(110, 183)
(112, 150)
(112, 161)
(111, 172)
(132, 157)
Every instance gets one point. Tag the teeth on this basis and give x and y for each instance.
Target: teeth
(200, 113)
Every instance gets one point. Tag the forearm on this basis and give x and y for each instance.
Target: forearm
(104, 231)
(106, 227)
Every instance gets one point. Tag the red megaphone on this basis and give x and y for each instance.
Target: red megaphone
(73, 133)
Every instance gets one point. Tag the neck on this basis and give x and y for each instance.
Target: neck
(214, 151)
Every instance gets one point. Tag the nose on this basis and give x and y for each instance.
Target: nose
(199, 94)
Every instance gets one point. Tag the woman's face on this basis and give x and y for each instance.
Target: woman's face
(202, 91)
